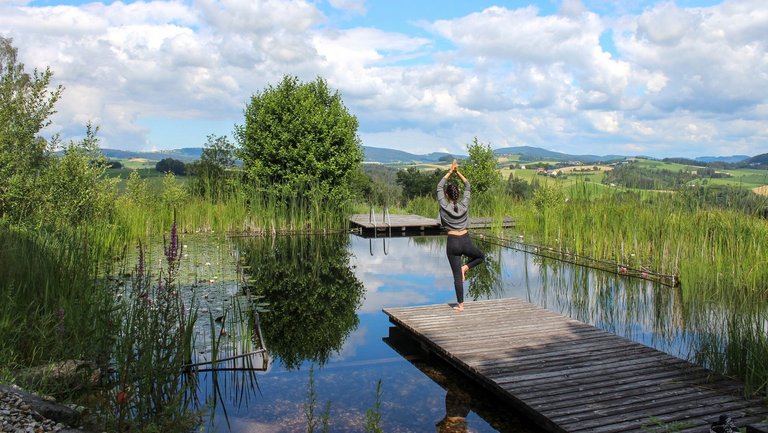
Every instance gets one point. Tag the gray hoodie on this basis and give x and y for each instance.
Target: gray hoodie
(450, 219)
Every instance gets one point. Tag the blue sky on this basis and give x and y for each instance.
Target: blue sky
(658, 78)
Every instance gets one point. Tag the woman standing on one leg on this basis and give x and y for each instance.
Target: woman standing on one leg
(454, 215)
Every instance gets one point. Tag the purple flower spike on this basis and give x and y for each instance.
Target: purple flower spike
(60, 325)
(140, 265)
(172, 252)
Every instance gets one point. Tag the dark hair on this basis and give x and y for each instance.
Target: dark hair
(452, 191)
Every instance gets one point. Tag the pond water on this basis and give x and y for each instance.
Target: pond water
(322, 298)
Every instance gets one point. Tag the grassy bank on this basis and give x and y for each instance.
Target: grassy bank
(56, 303)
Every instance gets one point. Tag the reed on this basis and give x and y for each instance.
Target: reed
(245, 211)
(373, 415)
(310, 407)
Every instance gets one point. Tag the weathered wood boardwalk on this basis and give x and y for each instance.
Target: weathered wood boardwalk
(571, 377)
(403, 223)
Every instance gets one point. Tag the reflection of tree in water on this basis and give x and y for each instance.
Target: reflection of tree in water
(485, 279)
(311, 292)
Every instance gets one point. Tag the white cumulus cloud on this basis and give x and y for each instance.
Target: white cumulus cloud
(664, 78)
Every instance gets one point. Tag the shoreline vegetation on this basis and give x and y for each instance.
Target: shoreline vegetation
(66, 226)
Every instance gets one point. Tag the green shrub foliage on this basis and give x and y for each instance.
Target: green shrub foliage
(174, 166)
(26, 103)
(300, 139)
(212, 173)
(480, 167)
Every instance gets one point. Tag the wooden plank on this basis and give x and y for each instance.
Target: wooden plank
(570, 376)
(399, 222)
(758, 427)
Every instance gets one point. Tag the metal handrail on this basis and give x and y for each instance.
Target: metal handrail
(386, 217)
(372, 217)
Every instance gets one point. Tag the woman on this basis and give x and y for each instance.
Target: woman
(454, 216)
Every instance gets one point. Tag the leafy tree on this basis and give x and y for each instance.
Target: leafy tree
(174, 166)
(74, 188)
(519, 188)
(480, 167)
(377, 185)
(219, 151)
(209, 174)
(417, 183)
(137, 190)
(299, 138)
(173, 194)
(633, 176)
(361, 185)
(36, 186)
(114, 164)
(26, 103)
(548, 198)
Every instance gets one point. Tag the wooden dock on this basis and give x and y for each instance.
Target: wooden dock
(398, 224)
(568, 376)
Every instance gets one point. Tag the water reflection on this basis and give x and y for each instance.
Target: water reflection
(456, 411)
(325, 296)
(464, 402)
(310, 292)
(634, 308)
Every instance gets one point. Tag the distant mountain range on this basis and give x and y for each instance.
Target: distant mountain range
(185, 154)
(389, 156)
(527, 153)
(729, 159)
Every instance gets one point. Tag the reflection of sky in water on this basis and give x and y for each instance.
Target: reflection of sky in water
(410, 273)
(414, 271)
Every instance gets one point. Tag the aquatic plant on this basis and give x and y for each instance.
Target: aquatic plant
(373, 415)
(310, 407)
(153, 343)
(246, 210)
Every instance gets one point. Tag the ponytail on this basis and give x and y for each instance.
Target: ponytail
(452, 191)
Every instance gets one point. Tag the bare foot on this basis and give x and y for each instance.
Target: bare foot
(464, 270)
(459, 307)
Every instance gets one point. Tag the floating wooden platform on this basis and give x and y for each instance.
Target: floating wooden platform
(571, 377)
(411, 223)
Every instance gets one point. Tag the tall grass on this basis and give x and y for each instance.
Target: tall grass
(244, 210)
(55, 303)
(710, 249)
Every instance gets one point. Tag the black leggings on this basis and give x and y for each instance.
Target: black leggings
(457, 247)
